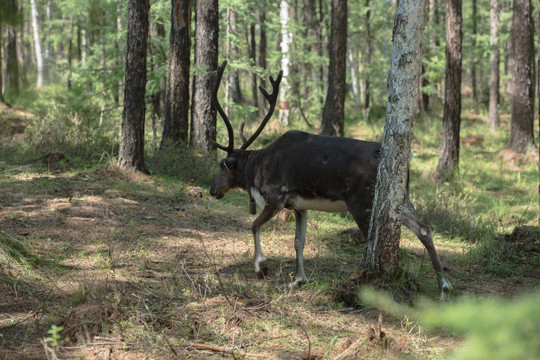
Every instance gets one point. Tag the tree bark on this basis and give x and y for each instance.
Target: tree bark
(252, 53)
(12, 62)
(493, 107)
(234, 80)
(261, 59)
(1, 70)
(131, 154)
(203, 114)
(474, 83)
(37, 44)
(382, 247)
(521, 123)
(538, 94)
(367, 65)
(286, 39)
(449, 159)
(333, 120)
(176, 122)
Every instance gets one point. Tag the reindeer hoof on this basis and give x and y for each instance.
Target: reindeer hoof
(298, 282)
(446, 288)
(261, 268)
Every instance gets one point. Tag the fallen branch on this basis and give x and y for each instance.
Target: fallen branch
(224, 350)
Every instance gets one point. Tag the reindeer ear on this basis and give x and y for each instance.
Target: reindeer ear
(230, 162)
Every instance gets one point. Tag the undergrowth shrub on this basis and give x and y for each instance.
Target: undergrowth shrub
(183, 164)
(76, 137)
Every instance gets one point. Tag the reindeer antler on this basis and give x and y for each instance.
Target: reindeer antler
(229, 148)
(272, 98)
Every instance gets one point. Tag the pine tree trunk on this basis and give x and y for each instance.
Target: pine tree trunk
(131, 154)
(521, 123)
(367, 65)
(333, 119)
(12, 62)
(234, 80)
(382, 247)
(203, 115)
(261, 59)
(493, 109)
(449, 159)
(252, 52)
(474, 83)
(37, 44)
(1, 72)
(176, 122)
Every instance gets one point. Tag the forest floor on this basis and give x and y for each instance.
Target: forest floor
(134, 267)
(104, 264)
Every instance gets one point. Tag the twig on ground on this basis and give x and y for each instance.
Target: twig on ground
(224, 350)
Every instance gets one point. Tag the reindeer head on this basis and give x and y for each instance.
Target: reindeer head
(232, 173)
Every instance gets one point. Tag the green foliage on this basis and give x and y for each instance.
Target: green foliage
(495, 328)
(55, 339)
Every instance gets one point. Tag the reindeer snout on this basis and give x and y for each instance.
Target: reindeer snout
(214, 192)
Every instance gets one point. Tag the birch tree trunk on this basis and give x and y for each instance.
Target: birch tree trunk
(37, 44)
(286, 38)
(382, 248)
(352, 70)
(493, 110)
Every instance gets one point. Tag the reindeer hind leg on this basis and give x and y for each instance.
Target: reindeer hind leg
(423, 232)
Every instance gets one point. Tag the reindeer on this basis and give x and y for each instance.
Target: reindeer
(301, 171)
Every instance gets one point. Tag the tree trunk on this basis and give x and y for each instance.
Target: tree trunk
(449, 159)
(333, 119)
(261, 59)
(367, 65)
(509, 63)
(382, 247)
(176, 123)
(131, 154)
(37, 44)
(474, 83)
(12, 62)
(352, 71)
(203, 114)
(1, 70)
(538, 94)
(286, 38)
(234, 80)
(157, 31)
(252, 52)
(521, 123)
(493, 109)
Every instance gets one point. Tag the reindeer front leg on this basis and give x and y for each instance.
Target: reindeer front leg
(267, 213)
(299, 241)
